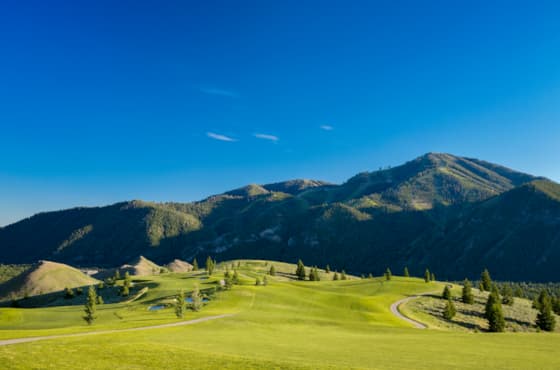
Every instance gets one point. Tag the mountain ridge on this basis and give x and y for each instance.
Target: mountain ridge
(407, 214)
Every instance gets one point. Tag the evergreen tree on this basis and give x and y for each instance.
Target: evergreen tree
(180, 304)
(370, 276)
(556, 305)
(100, 286)
(467, 296)
(258, 281)
(494, 313)
(507, 296)
(335, 276)
(343, 275)
(405, 273)
(427, 276)
(432, 277)
(235, 279)
(196, 298)
(209, 265)
(100, 300)
(480, 286)
(195, 265)
(486, 280)
(90, 306)
(327, 269)
(388, 274)
(317, 277)
(272, 271)
(68, 293)
(545, 318)
(127, 279)
(446, 293)
(265, 280)
(117, 275)
(449, 311)
(300, 270)
(126, 284)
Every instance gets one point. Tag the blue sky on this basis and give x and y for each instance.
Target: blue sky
(179, 100)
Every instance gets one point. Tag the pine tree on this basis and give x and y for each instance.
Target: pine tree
(507, 295)
(317, 277)
(343, 275)
(311, 274)
(446, 293)
(258, 281)
(180, 304)
(68, 293)
(335, 276)
(100, 300)
(327, 269)
(235, 279)
(388, 274)
(494, 313)
(427, 276)
(195, 265)
(370, 276)
(90, 306)
(265, 280)
(196, 298)
(467, 296)
(432, 277)
(545, 318)
(209, 265)
(405, 273)
(486, 280)
(272, 271)
(126, 284)
(117, 275)
(300, 270)
(449, 311)
(556, 305)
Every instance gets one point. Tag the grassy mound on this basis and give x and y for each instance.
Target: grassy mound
(141, 266)
(179, 266)
(44, 277)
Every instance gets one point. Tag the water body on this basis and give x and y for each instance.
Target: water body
(189, 300)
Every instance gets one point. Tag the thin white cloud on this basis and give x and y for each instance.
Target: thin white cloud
(326, 127)
(219, 137)
(267, 137)
(219, 92)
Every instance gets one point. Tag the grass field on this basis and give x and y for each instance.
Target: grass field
(287, 324)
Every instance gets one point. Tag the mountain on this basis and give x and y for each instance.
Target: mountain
(452, 214)
(44, 277)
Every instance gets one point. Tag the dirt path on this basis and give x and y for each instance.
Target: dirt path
(395, 310)
(170, 325)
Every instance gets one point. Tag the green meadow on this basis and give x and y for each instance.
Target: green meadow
(286, 324)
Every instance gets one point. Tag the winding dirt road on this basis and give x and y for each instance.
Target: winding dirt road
(395, 310)
(170, 325)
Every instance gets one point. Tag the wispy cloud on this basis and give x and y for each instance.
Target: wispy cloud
(219, 137)
(326, 127)
(219, 92)
(267, 137)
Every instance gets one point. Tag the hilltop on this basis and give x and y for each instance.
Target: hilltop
(455, 215)
(42, 278)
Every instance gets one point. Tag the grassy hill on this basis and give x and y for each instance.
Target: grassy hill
(286, 324)
(451, 214)
(42, 278)
(141, 266)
